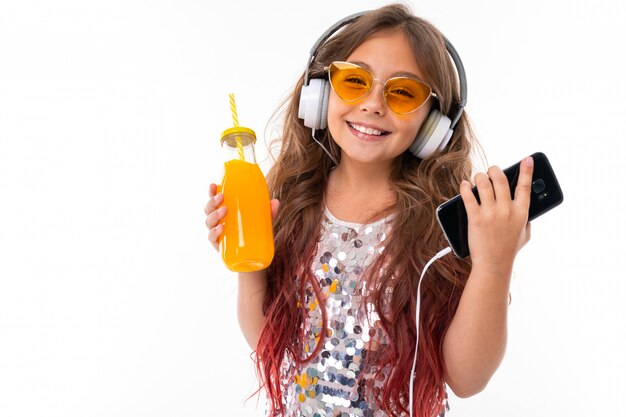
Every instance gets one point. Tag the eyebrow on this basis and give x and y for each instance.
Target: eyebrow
(395, 74)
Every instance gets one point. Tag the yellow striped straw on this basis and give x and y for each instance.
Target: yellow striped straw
(233, 111)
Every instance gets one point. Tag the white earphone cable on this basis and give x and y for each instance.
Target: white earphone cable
(439, 254)
(324, 147)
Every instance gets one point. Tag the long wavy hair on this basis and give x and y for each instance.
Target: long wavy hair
(298, 179)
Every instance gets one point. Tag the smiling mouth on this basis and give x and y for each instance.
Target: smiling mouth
(368, 130)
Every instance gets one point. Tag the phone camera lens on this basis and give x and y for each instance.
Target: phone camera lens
(539, 186)
(542, 196)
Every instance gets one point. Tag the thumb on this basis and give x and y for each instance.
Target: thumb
(274, 203)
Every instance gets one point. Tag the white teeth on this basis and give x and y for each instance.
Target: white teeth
(367, 130)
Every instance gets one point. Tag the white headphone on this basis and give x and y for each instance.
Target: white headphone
(436, 130)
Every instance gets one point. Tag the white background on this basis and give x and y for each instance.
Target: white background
(113, 303)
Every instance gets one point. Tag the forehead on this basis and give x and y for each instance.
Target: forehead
(387, 54)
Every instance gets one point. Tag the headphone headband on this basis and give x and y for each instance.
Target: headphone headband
(460, 71)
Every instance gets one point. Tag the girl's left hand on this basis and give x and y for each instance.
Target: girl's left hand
(498, 227)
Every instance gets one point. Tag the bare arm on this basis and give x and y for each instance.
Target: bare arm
(475, 342)
(251, 285)
(250, 295)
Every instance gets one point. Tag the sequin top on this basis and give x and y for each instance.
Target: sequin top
(329, 385)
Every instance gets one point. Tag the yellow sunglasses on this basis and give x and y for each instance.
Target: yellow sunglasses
(353, 83)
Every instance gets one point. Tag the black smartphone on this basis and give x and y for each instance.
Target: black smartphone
(545, 195)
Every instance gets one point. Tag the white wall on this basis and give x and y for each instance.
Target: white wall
(112, 302)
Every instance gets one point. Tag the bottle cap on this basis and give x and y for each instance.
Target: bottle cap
(240, 130)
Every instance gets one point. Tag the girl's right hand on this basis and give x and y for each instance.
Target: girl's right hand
(215, 214)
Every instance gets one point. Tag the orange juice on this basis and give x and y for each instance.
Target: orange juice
(247, 243)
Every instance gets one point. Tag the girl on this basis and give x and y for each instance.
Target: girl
(332, 320)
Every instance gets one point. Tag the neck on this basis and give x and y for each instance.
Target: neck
(366, 178)
(357, 192)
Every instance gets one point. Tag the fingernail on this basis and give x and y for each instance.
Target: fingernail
(222, 210)
(464, 183)
(529, 161)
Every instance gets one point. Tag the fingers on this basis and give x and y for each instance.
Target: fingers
(215, 214)
(470, 202)
(274, 204)
(215, 199)
(492, 186)
(215, 233)
(522, 191)
(215, 225)
(485, 189)
(500, 183)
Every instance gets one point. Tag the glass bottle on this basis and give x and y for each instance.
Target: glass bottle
(247, 243)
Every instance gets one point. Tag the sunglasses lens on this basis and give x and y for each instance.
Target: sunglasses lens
(349, 81)
(405, 95)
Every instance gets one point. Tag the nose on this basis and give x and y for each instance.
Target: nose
(374, 102)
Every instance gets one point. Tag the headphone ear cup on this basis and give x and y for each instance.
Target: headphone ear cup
(432, 136)
(313, 106)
